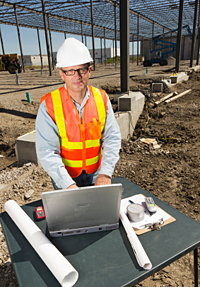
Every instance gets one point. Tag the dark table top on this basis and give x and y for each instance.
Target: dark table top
(103, 258)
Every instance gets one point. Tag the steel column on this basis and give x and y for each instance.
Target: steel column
(65, 35)
(101, 51)
(19, 38)
(141, 49)
(132, 49)
(85, 40)
(82, 30)
(113, 52)
(2, 46)
(105, 45)
(153, 46)
(38, 34)
(138, 23)
(93, 46)
(124, 45)
(196, 268)
(50, 39)
(193, 34)
(46, 36)
(179, 36)
(115, 12)
(198, 43)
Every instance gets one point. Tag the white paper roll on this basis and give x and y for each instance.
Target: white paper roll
(138, 249)
(55, 261)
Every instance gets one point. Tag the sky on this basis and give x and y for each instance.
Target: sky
(30, 45)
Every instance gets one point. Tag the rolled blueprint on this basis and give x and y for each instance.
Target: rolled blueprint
(138, 249)
(55, 261)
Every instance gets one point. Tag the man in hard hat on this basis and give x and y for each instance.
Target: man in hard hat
(77, 137)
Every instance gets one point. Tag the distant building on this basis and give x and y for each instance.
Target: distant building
(34, 60)
(110, 53)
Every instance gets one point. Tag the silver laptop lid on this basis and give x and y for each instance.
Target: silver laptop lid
(85, 207)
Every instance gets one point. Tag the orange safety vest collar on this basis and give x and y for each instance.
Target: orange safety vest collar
(80, 142)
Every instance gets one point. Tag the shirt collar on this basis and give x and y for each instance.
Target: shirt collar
(87, 94)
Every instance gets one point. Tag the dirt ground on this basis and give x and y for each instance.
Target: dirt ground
(170, 172)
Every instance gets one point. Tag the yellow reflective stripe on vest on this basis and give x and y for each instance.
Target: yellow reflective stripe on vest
(58, 111)
(72, 163)
(93, 160)
(70, 145)
(92, 143)
(79, 163)
(78, 145)
(100, 106)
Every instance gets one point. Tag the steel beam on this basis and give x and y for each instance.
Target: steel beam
(19, 38)
(153, 46)
(132, 48)
(101, 52)
(50, 38)
(124, 45)
(115, 11)
(92, 26)
(38, 34)
(82, 31)
(179, 36)
(46, 36)
(105, 45)
(198, 45)
(138, 29)
(193, 34)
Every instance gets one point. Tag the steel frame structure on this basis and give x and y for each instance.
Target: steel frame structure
(108, 19)
(74, 16)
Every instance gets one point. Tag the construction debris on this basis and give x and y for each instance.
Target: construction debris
(28, 194)
(151, 142)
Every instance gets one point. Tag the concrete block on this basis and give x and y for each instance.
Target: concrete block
(131, 102)
(25, 148)
(195, 68)
(131, 107)
(180, 77)
(157, 87)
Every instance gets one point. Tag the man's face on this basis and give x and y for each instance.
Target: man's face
(78, 82)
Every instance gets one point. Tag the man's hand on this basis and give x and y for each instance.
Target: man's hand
(103, 179)
(72, 186)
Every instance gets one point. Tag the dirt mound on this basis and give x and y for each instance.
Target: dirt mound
(171, 61)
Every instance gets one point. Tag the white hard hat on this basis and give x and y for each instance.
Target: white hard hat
(71, 53)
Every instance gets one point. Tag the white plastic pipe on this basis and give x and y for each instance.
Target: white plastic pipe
(138, 249)
(178, 96)
(55, 261)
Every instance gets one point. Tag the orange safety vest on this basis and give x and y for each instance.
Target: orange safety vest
(80, 142)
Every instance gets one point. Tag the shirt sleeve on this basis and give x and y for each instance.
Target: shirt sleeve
(48, 148)
(111, 142)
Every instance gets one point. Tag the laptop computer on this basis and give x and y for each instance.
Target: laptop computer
(82, 210)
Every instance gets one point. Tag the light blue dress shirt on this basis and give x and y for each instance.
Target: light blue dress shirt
(48, 145)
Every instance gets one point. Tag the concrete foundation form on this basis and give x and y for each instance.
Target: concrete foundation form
(180, 77)
(25, 148)
(157, 87)
(130, 107)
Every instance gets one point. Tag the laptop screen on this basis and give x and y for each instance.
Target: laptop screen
(85, 207)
